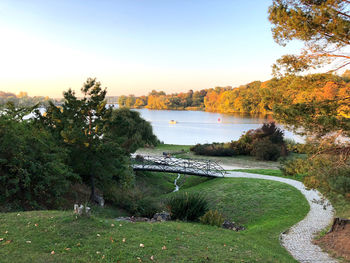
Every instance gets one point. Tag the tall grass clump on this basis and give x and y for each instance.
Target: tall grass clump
(213, 218)
(187, 206)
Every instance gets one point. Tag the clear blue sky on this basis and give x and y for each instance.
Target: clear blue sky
(134, 46)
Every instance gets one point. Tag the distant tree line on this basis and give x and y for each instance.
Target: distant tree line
(23, 100)
(254, 97)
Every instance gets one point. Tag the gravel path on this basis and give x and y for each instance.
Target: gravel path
(298, 239)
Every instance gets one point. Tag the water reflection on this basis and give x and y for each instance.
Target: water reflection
(203, 127)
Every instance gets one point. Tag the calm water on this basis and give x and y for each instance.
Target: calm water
(202, 127)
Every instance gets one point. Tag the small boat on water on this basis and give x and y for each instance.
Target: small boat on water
(172, 122)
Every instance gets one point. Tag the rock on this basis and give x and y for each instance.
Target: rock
(133, 219)
(82, 210)
(163, 216)
(159, 217)
(232, 226)
(76, 209)
(122, 218)
(87, 211)
(339, 223)
(99, 200)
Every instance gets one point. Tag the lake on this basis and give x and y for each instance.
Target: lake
(203, 127)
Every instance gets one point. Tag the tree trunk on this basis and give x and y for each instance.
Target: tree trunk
(94, 198)
(339, 223)
(92, 183)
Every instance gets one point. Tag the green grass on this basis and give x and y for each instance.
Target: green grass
(155, 184)
(173, 147)
(187, 181)
(339, 202)
(272, 172)
(341, 205)
(107, 211)
(266, 208)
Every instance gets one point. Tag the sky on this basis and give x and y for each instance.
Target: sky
(134, 46)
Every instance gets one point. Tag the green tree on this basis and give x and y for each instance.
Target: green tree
(80, 125)
(33, 166)
(130, 130)
(324, 27)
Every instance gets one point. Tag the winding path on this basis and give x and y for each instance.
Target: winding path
(298, 239)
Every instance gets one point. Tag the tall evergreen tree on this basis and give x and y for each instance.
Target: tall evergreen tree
(80, 124)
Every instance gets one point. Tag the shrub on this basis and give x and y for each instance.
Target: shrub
(244, 144)
(214, 149)
(274, 133)
(266, 150)
(33, 170)
(266, 143)
(145, 207)
(303, 148)
(324, 171)
(295, 167)
(213, 218)
(311, 182)
(333, 176)
(186, 206)
(340, 182)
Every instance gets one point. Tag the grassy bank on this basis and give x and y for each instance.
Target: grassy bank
(339, 202)
(265, 208)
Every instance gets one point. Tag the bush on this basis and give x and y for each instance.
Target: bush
(323, 171)
(340, 182)
(145, 207)
(213, 218)
(244, 143)
(295, 167)
(271, 131)
(33, 170)
(303, 148)
(214, 149)
(186, 206)
(266, 150)
(268, 135)
(333, 176)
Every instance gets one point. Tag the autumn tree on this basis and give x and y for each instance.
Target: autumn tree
(324, 27)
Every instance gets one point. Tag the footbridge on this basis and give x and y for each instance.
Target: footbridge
(177, 165)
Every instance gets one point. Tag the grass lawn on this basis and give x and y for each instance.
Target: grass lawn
(266, 208)
(339, 202)
(173, 147)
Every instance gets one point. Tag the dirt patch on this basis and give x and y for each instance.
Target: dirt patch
(337, 242)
